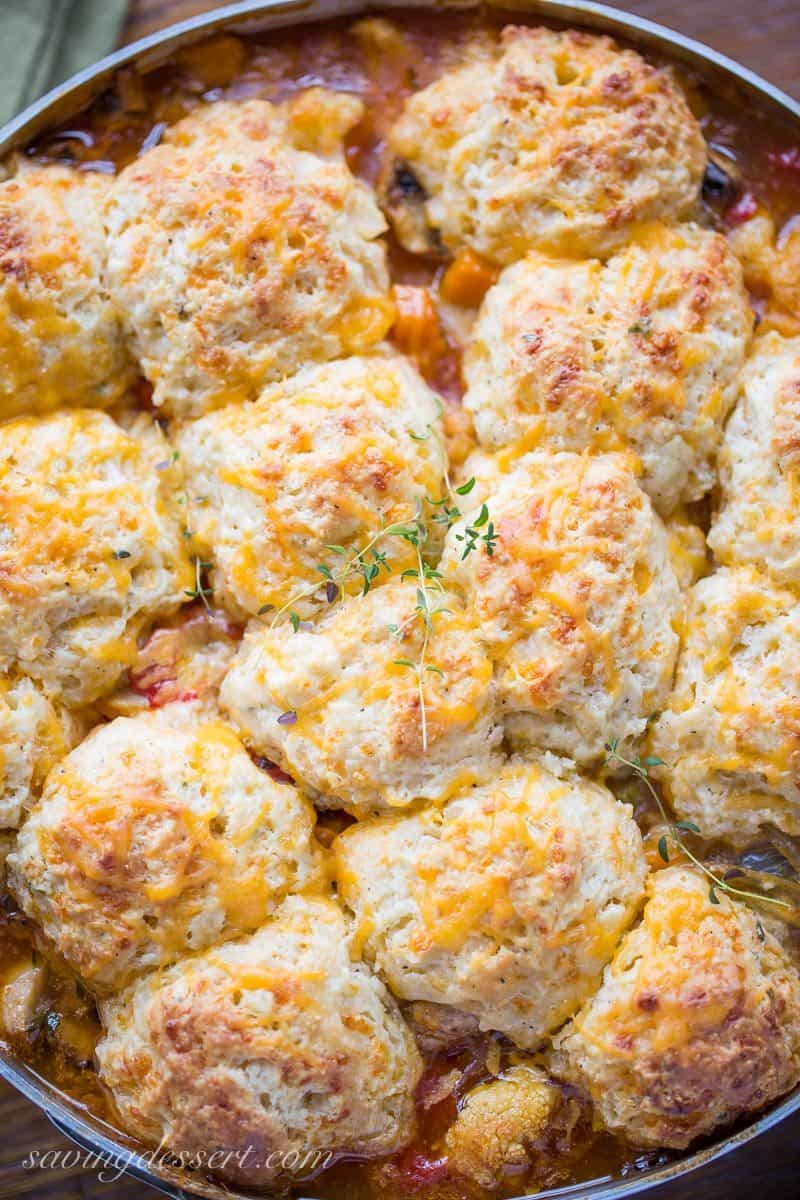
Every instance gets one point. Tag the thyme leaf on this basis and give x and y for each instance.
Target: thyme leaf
(368, 563)
(200, 591)
(717, 883)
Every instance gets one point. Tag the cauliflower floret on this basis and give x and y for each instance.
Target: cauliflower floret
(510, 1126)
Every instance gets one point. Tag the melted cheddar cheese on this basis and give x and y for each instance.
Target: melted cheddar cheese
(61, 338)
(558, 140)
(730, 733)
(278, 1040)
(697, 1014)
(330, 457)
(505, 902)
(237, 258)
(576, 603)
(90, 547)
(759, 465)
(157, 837)
(641, 353)
(338, 704)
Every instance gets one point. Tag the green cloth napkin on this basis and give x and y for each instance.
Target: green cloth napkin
(42, 42)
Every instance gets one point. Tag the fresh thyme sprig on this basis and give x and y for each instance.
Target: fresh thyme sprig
(370, 561)
(480, 530)
(366, 562)
(445, 511)
(640, 767)
(200, 591)
(428, 580)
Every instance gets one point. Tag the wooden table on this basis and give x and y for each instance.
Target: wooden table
(765, 35)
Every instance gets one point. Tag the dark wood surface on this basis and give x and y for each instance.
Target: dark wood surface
(765, 35)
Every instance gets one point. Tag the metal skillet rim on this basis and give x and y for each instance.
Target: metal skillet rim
(249, 16)
(71, 95)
